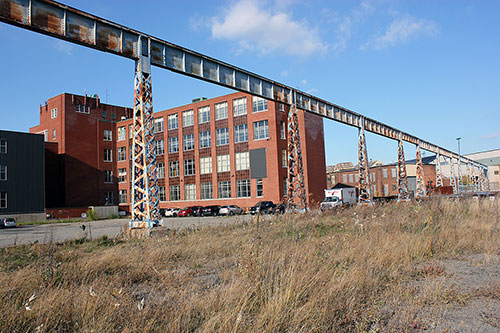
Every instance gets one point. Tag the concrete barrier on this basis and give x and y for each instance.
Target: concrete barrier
(105, 211)
(33, 217)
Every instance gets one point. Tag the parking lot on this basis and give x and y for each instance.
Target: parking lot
(58, 232)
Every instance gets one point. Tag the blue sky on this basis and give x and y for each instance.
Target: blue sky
(430, 68)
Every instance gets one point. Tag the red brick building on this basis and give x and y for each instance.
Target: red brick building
(205, 151)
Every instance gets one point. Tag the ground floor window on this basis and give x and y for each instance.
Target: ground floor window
(224, 190)
(175, 192)
(108, 198)
(260, 188)
(206, 190)
(243, 188)
(3, 199)
(123, 196)
(190, 192)
(161, 193)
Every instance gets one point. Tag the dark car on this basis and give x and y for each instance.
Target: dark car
(280, 208)
(197, 210)
(210, 210)
(264, 207)
(8, 222)
(185, 212)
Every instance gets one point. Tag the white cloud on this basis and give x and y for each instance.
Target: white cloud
(492, 135)
(63, 47)
(400, 31)
(256, 28)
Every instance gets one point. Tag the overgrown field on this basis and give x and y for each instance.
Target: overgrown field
(347, 271)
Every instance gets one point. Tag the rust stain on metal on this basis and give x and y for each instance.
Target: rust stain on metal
(108, 39)
(47, 20)
(11, 10)
(156, 53)
(128, 47)
(80, 32)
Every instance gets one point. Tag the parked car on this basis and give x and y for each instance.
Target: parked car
(185, 212)
(280, 208)
(172, 212)
(210, 210)
(264, 207)
(230, 210)
(197, 210)
(8, 222)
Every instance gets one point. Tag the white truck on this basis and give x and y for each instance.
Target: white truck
(338, 197)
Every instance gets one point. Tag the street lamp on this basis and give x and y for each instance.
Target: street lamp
(458, 141)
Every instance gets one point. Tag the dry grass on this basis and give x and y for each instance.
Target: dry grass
(341, 272)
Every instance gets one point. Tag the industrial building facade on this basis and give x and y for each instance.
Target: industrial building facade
(226, 150)
(22, 176)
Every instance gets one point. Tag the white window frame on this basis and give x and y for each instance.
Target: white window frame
(205, 165)
(122, 154)
(204, 114)
(122, 175)
(108, 155)
(109, 194)
(161, 170)
(222, 136)
(108, 176)
(81, 108)
(223, 163)
(161, 194)
(3, 146)
(188, 142)
(204, 139)
(108, 135)
(221, 111)
(283, 130)
(393, 173)
(242, 161)
(187, 118)
(224, 189)
(122, 196)
(261, 130)
(173, 121)
(159, 147)
(241, 133)
(121, 134)
(173, 144)
(207, 191)
(259, 104)
(3, 172)
(175, 192)
(239, 106)
(384, 173)
(259, 186)
(284, 158)
(190, 192)
(173, 169)
(158, 125)
(53, 134)
(189, 167)
(243, 188)
(53, 113)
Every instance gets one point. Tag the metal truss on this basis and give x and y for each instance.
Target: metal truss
(453, 179)
(403, 194)
(295, 177)
(439, 174)
(365, 193)
(420, 191)
(144, 179)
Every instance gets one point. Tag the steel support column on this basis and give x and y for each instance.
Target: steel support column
(403, 194)
(459, 181)
(365, 193)
(453, 179)
(144, 197)
(420, 186)
(295, 177)
(439, 174)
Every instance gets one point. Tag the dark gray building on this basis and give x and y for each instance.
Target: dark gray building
(22, 175)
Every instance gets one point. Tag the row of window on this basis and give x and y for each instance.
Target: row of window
(355, 177)
(223, 191)
(3, 199)
(3, 146)
(3, 172)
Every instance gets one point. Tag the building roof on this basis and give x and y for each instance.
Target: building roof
(342, 185)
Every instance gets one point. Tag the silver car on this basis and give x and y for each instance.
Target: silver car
(231, 210)
(8, 223)
(171, 212)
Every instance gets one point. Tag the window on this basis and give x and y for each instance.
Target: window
(242, 161)
(173, 169)
(223, 163)
(374, 190)
(173, 144)
(386, 190)
(3, 146)
(122, 134)
(122, 154)
(372, 176)
(161, 193)
(240, 106)
(344, 178)
(189, 169)
(243, 188)
(283, 130)
(260, 188)
(130, 131)
(187, 118)
(206, 191)
(3, 199)
(158, 127)
(161, 170)
(204, 139)
(80, 108)
(190, 192)
(108, 135)
(351, 178)
(53, 113)
(384, 173)
(46, 135)
(188, 142)
(356, 177)
(495, 172)
(285, 186)
(3, 172)
(108, 176)
(222, 135)
(173, 122)
(205, 165)
(130, 152)
(122, 197)
(241, 133)
(122, 175)
(53, 134)
(393, 172)
(224, 189)
(282, 107)
(175, 192)
(108, 198)
(108, 155)
(159, 147)
(260, 130)
(284, 158)
(221, 111)
(204, 114)
(259, 104)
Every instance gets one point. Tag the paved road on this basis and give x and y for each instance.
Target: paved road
(59, 232)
